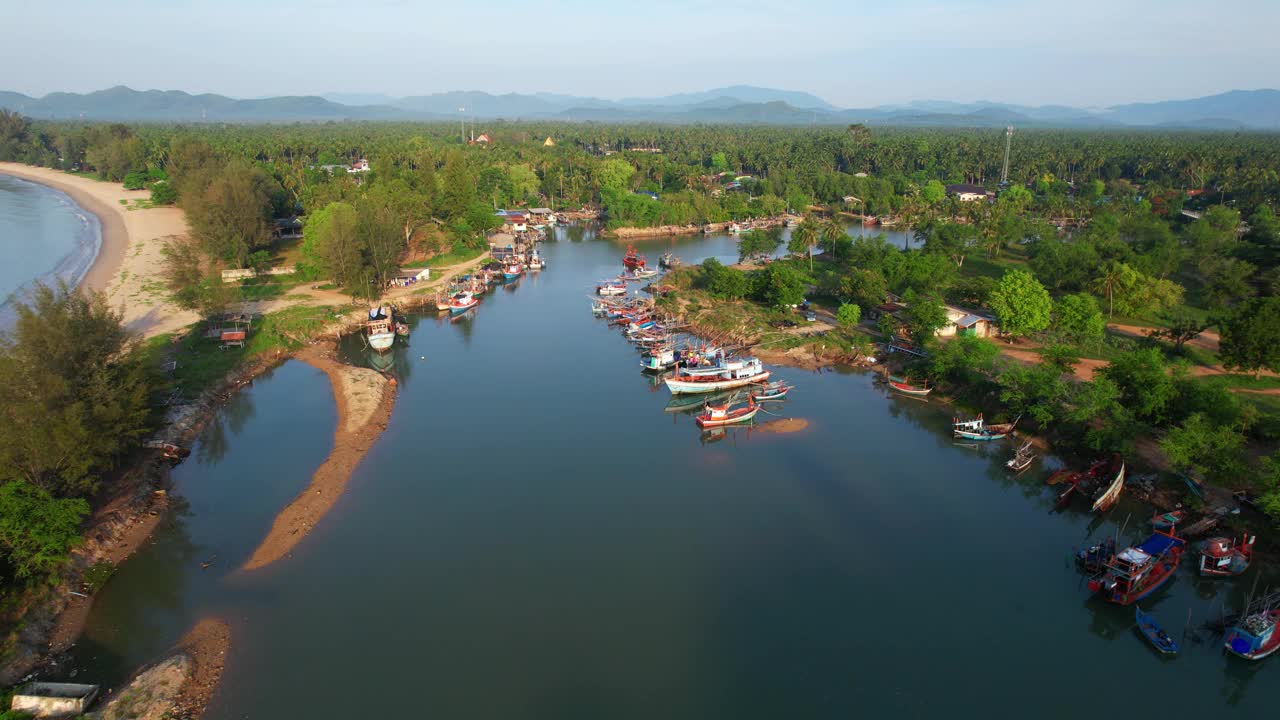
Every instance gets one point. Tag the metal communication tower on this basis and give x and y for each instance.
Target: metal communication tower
(1004, 172)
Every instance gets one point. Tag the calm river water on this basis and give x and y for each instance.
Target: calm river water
(534, 537)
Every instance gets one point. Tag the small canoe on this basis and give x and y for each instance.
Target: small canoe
(718, 415)
(1164, 521)
(906, 389)
(1155, 634)
(772, 391)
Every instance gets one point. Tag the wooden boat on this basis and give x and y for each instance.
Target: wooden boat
(1094, 559)
(1155, 634)
(442, 302)
(1224, 557)
(1164, 521)
(772, 391)
(1106, 480)
(719, 415)
(1022, 458)
(660, 359)
(611, 287)
(1255, 636)
(632, 259)
(1137, 571)
(668, 261)
(511, 271)
(906, 388)
(731, 374)
(379, 329)
(462, 302)
(977, 429)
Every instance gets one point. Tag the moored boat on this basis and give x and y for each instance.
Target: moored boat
(1105, 482)
(668, 261)
(659, 359)
(1137, 571)
(536, 262)
(1164, 521)
(380, 329)
(512, 270)
(1224, 557)
(1255, 637)
(632, 259)
(731, 374)
(776, 390)
(462, 302)
(978, 429)
(1022, 457)
(906, 388)
(1155, 634)
(611, 287)
(718, 415)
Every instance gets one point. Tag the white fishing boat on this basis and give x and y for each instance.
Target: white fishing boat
(380, 329)
(536, 262)
(462, 302)
(610, 287)
(732, 374)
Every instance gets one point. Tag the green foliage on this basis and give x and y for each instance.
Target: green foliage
(779, 285)
(37, 531)
(615, 175)
(1132, 292)
(724, 282)
(1142, 377)
(1021, 303)
(923, 316)
(1078, 318)
(951, 240)
(1038, 391)
(759, 244)
(933, 192)
(963, 358)
(231, 213)
(163, 193)
(97, 575)
(1198, 445)
(1062, 264)
(74, 392)
(1250, 336)
(848, 315)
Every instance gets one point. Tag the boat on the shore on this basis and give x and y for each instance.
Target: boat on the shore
(728, 375)
(906, 388)
(380, 329)
(632, 259)
(719, 415)
(1254, 637)
(1224, 557)
(1102, 483)
(1139, 570)
(978, 429)
(1022, 458)
(1155, 634)
(462, 302)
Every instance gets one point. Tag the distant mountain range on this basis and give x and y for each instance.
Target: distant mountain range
(1237, 109)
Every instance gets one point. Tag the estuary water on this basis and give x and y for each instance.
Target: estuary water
(535, 536)
(44, 236)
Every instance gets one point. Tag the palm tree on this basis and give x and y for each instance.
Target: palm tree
(832, 233)
(806, 236)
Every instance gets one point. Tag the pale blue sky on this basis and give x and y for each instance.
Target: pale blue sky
(850, 52)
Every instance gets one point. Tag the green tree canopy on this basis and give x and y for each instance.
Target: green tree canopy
(1021, 303)
(1250, 336)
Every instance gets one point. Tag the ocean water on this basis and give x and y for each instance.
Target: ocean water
(44, 237)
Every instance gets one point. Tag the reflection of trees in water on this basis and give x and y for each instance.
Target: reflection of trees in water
(229, 421)
(573, 233)
(463, 324)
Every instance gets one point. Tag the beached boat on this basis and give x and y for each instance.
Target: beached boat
(1155, 634)
(380, 329)
(772, 391)
(1224, 557)
(977, 429)
(668, 261)
(719, 415)
(632, 259)
(462, 302)
(1137, 571)
(1022, 458)
(731, 374)
(1104, 483)
(1164, 521)
(1255, 637)
(906, 388)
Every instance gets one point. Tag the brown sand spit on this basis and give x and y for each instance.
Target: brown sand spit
(785, 425)
(129, 265)
(179, 687)
(364, 399)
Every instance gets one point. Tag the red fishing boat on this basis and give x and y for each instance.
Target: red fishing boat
(1224, 557)
(1137, 571)
(1102, 483)
(717, 415)
(632, 259)
(906, 388)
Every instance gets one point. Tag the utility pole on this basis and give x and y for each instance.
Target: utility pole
(1008, 139)
(462, 112)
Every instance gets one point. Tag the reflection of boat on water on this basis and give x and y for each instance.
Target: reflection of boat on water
(382, 362)
(686, 403)
(722, 414)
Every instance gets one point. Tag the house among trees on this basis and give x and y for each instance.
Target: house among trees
(482, 139)
(963, 323)
(968, 192)
(548, 142)
(359, 166)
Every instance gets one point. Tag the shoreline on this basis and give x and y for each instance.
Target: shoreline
(114, 236)
(127, 264)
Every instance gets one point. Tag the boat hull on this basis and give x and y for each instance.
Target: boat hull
(743, 416)
(1109, 498)
(382, 342)
(680, 387)
(459, 309)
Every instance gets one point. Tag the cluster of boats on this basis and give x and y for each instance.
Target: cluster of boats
(634, 269)
(687, 366)
(465, 291)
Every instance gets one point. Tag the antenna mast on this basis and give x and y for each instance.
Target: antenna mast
(1004, 172)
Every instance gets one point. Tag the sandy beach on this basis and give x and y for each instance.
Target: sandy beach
(128, 264)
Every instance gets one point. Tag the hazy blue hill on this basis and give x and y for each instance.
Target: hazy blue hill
(1255, 108)
(122, 103)
(744, 94)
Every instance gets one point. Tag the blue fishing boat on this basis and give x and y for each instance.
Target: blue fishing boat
(1155, 634)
